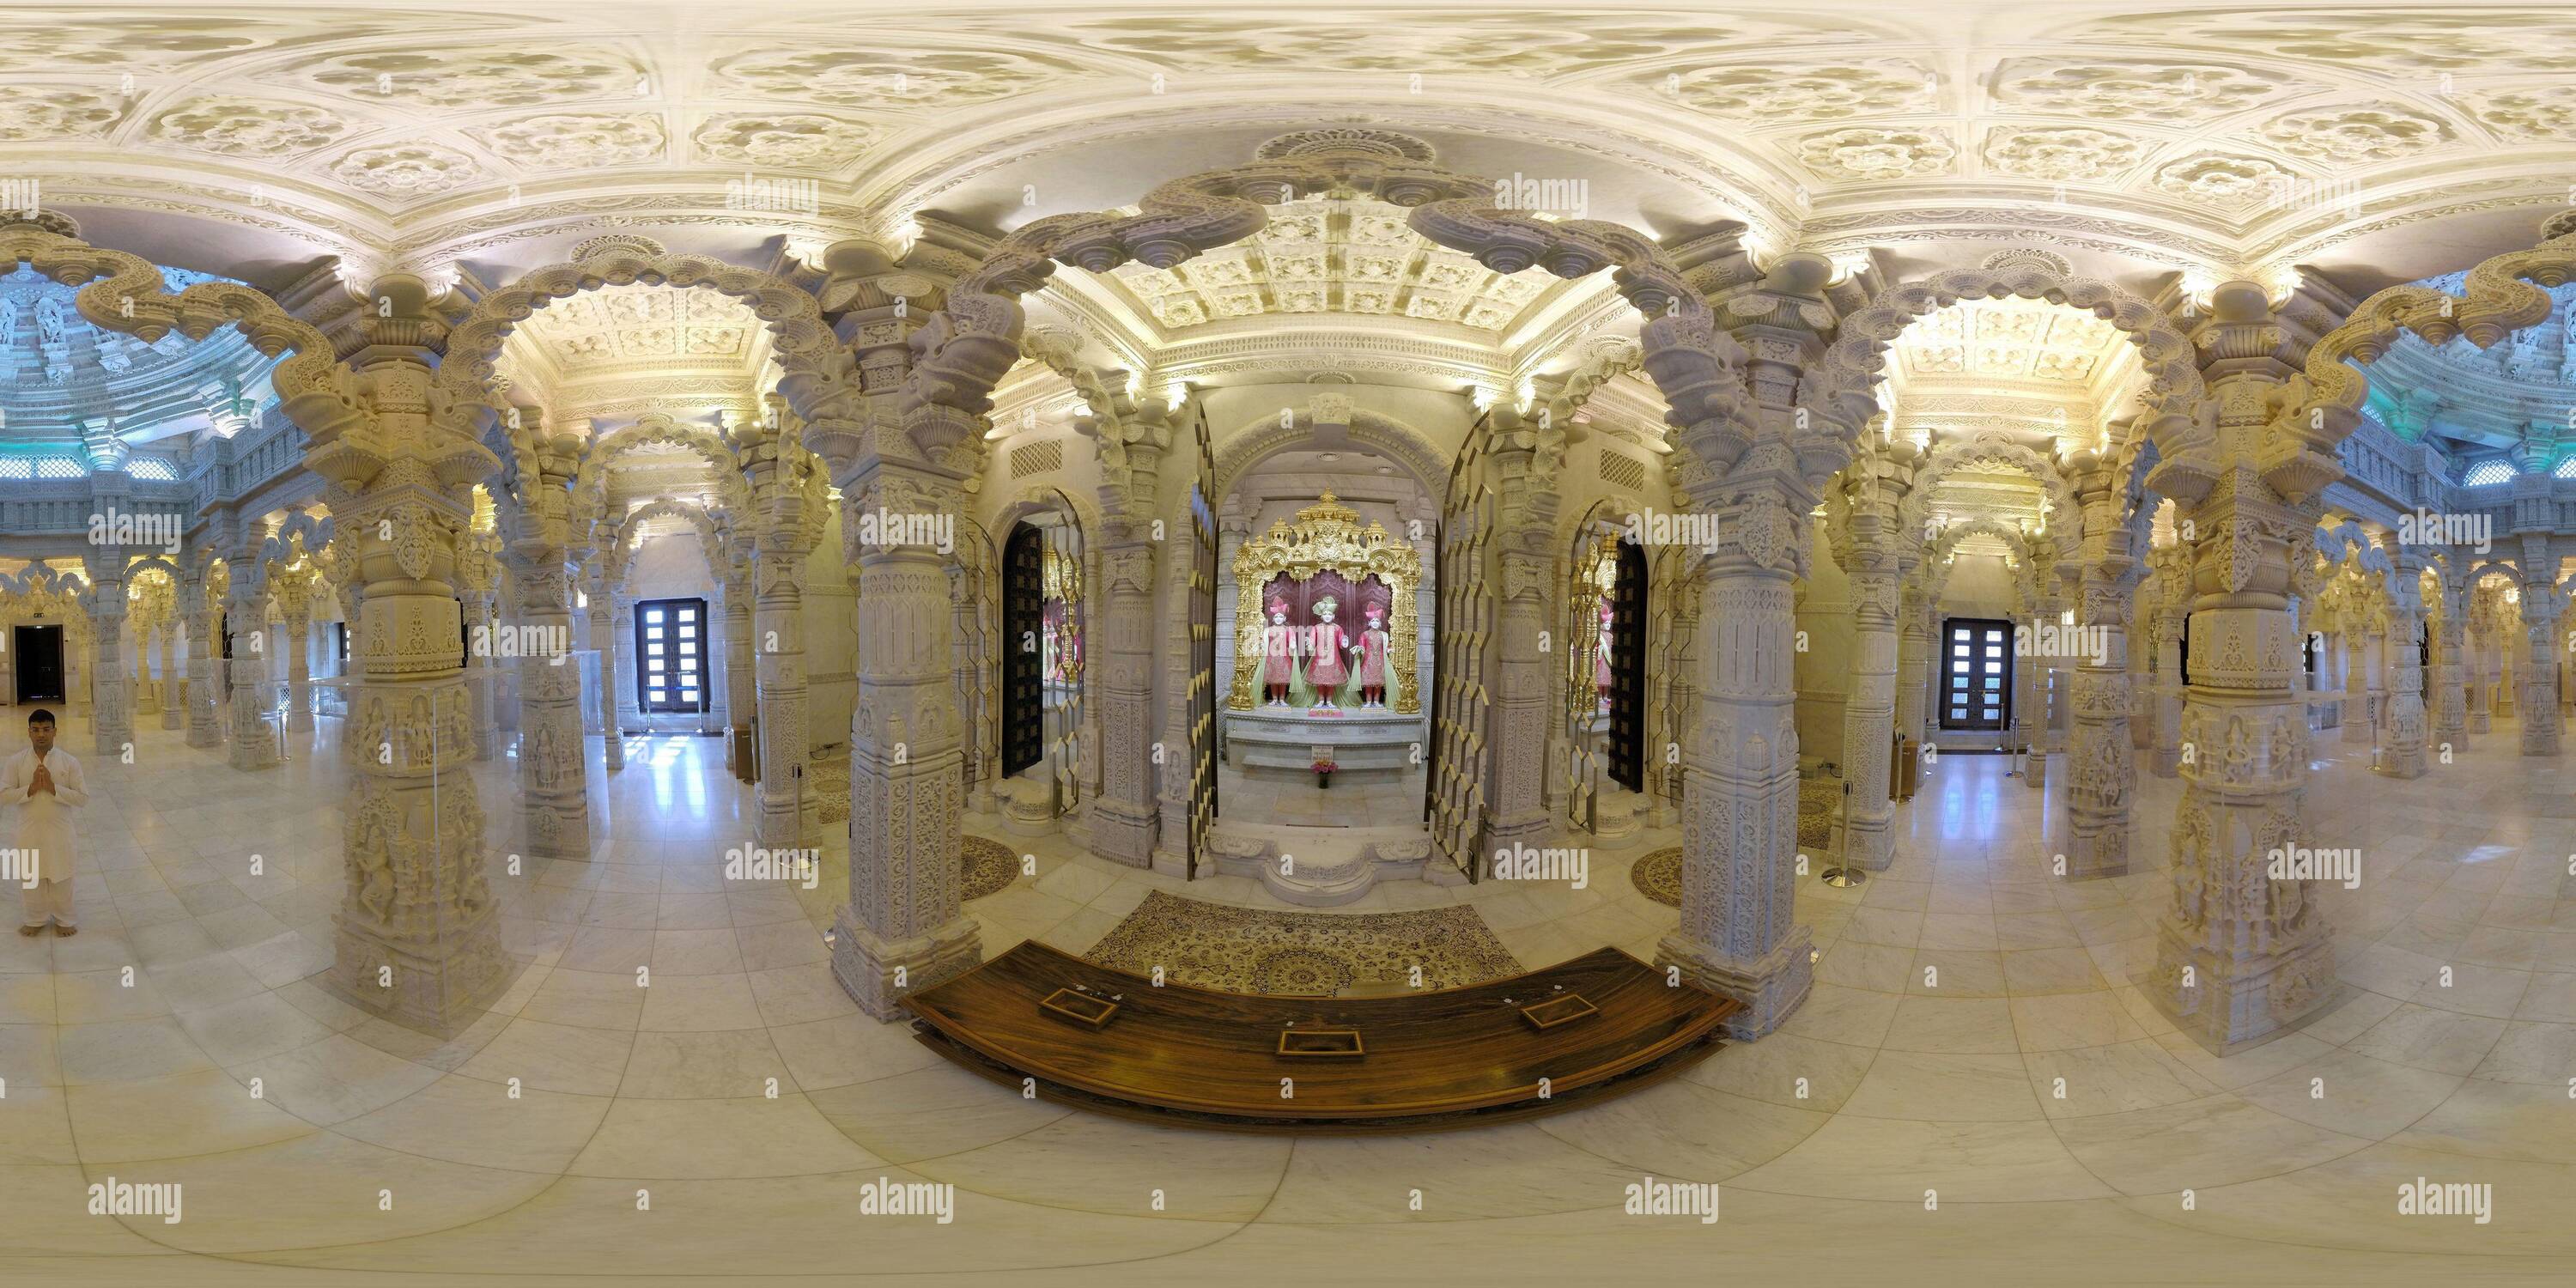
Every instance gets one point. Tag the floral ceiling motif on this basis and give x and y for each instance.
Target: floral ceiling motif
(2166, 125)
(2011, 340)
(641, 323)
(1333, 256)
(246, 127)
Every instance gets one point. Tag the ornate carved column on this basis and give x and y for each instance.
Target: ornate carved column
(625, 711)
(254, 735)
(785, 526)
(2173, 608)
(554, 764)
(2102, 764)
(905, 927)
(1872, 554)
(417, 934)
(2537, 695)
(2482, 672)
(1124, 822)
(1525, 451)
(2403, 754)
(2450, 670)
(603, 640)
(205, 723)
(2240, 955)
(1913, 658)
(2031, 702)
(740, 699)
(479, 622)
(2356, 684)
(146, 701)
(294, 596)
(173, 706)
(110, 715)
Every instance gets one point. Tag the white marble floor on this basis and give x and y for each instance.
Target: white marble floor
(723, 1120)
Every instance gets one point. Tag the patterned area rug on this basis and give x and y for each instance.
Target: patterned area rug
(1255, 950)
(828, 783)
(1658, 876)
(990, 866)
(1817, 798)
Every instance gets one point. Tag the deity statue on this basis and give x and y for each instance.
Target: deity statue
(1328, 641)
(1278, 655)
(1371, 649)
(1601, 657)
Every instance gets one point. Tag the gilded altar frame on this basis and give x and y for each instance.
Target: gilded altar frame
(1327, 535)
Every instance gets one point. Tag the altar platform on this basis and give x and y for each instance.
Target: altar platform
(1280, 742)
(1577, 1033)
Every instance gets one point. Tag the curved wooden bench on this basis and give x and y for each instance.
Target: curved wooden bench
(1432, 1060)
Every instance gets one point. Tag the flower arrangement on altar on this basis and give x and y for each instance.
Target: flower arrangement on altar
(1324, 771)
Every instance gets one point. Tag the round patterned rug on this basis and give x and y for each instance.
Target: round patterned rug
(1658, 876)
(1302, 972)
(990, 867)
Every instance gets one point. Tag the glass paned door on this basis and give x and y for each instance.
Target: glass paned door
(671, 652)
(1976, 674)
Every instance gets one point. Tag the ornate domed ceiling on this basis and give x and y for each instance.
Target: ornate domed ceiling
(2190, 137)
(2517, 398)
(65, 381)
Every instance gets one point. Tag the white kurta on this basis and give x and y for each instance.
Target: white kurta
(45, 819)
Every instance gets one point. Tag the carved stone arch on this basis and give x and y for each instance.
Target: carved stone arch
(2491, 563)
(712, 538)
(1855, 361)
(818, 373)
(2347, 540)
(1936, 558)
(655, 429)
(1994, 451)
(1262, 437)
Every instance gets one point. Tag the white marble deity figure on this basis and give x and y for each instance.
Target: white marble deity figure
(1327, 672)
(1278, 656)
(1371, 651)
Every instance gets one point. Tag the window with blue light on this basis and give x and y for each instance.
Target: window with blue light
(61, 467)
(151, 469)
(2487, 474)
(2566, 469)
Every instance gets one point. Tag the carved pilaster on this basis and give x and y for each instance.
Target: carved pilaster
(1124, 820)
(2537, 695)
(554, 763)
(1872, 556)
(2102, 765)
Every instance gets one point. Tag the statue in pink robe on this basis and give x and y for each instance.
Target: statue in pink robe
(1372, 658)
(1278, 655)
(1326, 641)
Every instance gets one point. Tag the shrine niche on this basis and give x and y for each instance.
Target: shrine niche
(1324, 577)
(1326, 663)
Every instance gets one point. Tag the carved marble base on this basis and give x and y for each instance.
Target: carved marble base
(868, 967)
(2230, 1005)
(1770, 987)
(1331, 866)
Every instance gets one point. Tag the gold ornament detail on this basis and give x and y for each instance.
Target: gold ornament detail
(1327, 535)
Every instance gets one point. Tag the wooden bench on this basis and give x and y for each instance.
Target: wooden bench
(1430, 1060)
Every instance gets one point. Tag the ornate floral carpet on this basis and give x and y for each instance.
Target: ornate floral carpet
(990, 867)
(1658, 876)
(1255, 950)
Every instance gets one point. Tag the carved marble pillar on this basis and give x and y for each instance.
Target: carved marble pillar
(2356, 686)
(2450, 670)
(205, 723)
(255, 742)
(298, 621)
(2171, 612)
(788, 517)
(1871, 551)
(2402, 753)
(147, 700)
(1913, 662)
(1524, 461)
(740, 699)
(2031, 701)
(554, 764)
(110, 716)
(478, 688)
(2102, 764)
(625, 709)
(2481, 693)
(905, 927)
(173, 704)
(2239, 954)
(417, 935)
(2537, 695)
(603, 640)
(1124, 821)
(1739, 933)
